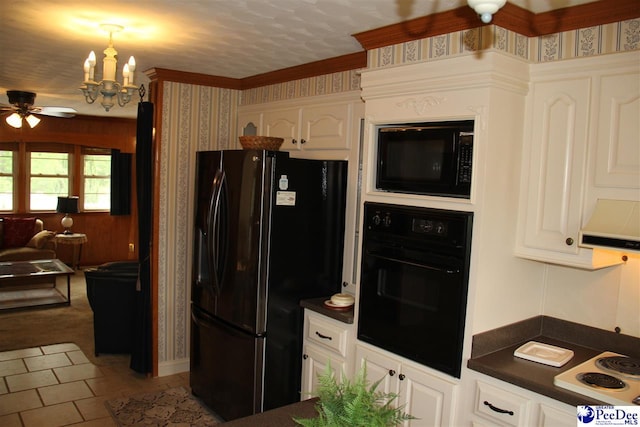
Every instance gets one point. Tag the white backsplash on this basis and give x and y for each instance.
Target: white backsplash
(604, 299)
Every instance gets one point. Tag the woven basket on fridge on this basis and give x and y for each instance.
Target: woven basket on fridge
(261, 142)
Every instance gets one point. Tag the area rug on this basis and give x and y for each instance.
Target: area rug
(171, 407)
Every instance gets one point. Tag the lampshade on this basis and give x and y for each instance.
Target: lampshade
(14, 120)
(32, 120)
(67, 204)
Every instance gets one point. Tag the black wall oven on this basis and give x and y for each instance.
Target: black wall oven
(414, 281)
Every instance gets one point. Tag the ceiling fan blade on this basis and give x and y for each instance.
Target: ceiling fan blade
(54, 111)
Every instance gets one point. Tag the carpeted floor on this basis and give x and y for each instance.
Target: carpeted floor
(38, 326)
(175, 406)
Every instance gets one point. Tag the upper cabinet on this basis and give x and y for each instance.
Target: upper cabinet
(617, 130)
(580, 144)
(321, 128)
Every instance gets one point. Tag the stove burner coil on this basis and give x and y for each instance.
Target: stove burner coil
(600, 380)
(622, 364)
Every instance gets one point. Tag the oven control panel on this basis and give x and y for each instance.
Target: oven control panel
(431, 226)
(417, 224)
(427, 226)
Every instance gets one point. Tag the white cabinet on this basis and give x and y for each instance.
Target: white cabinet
(580, 134)
(315, 127)
(427, 396)
(322, 127)
(491, 402)
(326, 342)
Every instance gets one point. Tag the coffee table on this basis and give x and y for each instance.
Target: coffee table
(21, 283)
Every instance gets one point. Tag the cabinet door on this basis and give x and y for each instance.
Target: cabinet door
(558, 147)
(325, 127)
(379, 367)
(618, 130)
(283, 124)
(314, 363)
(553, 417)
(426, 397)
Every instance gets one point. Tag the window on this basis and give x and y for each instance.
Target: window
(34, 174)
(48, 179)
(6, 180)
(97, 181)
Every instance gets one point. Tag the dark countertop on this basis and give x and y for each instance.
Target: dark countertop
(317, 305)
(492, 354)
(279, 417)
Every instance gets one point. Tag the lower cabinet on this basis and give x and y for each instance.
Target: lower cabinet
(496, 403)
(428, 397)
(327, 342)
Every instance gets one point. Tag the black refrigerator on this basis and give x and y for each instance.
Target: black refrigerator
(269, 231)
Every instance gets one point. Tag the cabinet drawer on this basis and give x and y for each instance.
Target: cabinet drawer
(500, 405)
(328, 335)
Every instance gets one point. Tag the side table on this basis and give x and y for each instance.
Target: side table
(77, 240)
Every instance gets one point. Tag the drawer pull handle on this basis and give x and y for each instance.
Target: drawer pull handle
(391, 372)
(324, 337)
(496, 409)
(401, 377)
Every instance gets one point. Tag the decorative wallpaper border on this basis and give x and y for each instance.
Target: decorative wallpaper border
(326, 84)
(599, 40)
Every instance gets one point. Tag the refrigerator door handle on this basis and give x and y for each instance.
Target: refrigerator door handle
(216, 230)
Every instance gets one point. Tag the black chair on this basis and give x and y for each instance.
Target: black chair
(111, 291)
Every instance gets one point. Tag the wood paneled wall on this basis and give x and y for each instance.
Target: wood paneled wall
(108, 236)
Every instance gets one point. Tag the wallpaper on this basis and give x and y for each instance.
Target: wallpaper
(194, 118)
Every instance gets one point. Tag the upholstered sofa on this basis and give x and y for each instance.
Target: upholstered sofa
(24, 239)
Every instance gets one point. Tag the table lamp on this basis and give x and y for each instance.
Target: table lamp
(67, 205)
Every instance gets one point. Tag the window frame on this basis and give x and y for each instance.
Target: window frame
(36, 148)
(22, 172)
(83, 178)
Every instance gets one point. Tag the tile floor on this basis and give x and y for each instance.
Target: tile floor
(56, 385)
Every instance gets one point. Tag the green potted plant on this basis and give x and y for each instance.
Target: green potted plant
(348, 404)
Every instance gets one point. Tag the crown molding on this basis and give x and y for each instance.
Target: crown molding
(510, 17)
(352, 61)
(163, 74)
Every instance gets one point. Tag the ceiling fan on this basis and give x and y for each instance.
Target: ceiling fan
(22, 108)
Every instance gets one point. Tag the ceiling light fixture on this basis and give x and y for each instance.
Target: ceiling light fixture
(108, 87)
(486, 8)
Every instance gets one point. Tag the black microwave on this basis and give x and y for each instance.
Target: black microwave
(433, 158)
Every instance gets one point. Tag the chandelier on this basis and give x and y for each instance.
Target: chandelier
(108, 87)
(486, 8)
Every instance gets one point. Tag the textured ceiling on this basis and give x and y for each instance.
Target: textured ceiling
(43, 44)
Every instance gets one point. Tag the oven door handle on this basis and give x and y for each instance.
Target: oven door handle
(428, 267)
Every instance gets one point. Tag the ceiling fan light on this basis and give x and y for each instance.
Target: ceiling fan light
(14, 120)
(32, 120)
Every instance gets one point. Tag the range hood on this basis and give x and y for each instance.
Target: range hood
(615, 224)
